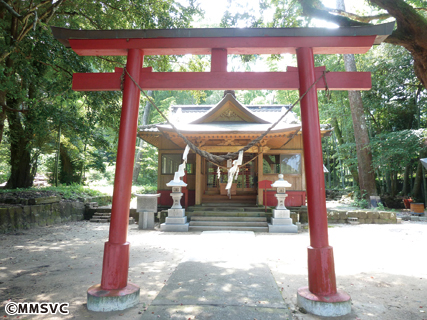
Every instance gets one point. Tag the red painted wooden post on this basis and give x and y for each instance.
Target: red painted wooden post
(219, 60)
(116, 251)
(321, 270)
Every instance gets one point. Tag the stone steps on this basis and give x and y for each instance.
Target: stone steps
(229, 218)
(221, 216)
(228, 223)
(226, 214)
(105, 217)
(227, 228)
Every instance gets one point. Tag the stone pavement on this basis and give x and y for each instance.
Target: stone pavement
(221, 277)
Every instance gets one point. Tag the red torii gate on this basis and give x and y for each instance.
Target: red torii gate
(304, 42)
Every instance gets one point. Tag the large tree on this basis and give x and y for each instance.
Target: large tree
(410, 32)
(35, 70)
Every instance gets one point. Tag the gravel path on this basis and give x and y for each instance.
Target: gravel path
(382, 267)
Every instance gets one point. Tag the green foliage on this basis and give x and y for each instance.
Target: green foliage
(71, 192)
(148, 173)
(4, 162)
(147, 189)
(397, 149)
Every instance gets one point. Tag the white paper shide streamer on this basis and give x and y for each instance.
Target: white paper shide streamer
(181, 169)
(233, 172)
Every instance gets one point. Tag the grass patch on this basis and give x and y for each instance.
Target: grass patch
(71, 192)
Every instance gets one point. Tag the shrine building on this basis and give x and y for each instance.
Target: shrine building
(228, 127)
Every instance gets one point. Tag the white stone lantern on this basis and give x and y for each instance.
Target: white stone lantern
(176, 219)
(281, 195)
(281, 221)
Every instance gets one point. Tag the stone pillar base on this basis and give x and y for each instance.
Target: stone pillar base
(102, 300)
(146, 220)
(335, 305)
(168, 227)
(176, 221)
(282, 228)
(281, 222)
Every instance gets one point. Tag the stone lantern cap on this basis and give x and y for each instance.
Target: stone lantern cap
(173, 183)
(281, 183)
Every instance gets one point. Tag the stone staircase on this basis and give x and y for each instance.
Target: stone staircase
(102, 214)
(227, 216)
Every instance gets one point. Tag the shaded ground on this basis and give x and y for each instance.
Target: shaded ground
(382, 267)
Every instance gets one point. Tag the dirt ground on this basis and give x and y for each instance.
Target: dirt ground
(382, 267)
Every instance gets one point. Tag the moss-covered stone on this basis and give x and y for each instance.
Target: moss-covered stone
(342, 215)
(384, 215)
(373, 215)
(333, 215)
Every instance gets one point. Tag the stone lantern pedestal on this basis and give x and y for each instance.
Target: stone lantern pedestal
(176, 221)
(281, 221)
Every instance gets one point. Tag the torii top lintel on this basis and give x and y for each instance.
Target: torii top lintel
(236, 41)
(219, 43)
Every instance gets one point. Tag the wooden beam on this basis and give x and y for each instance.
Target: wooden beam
(234, 45)
(220, 81)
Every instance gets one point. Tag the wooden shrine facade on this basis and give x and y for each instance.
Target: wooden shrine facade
(228, 127)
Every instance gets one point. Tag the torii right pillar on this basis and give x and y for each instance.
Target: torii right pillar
(321, 297)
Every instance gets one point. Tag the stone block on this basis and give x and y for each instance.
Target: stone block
(176, 213)
(281, 221)
(45, 200)
(174, 220)
(422, 218)
(303, 217)
(333, 215)
(415, 218)
(289, 228)
(393, 215)
(379, 221)
(281, 213)
(341, 221)
(146, 220)
(373, 215)
(174, 227)
(353, 214)
(295, 217)
(384, 215)
(162, 216)
(65, 208)
(3, 218)
(342, 215)
(147, 202)
(362, 221)
(361, 214)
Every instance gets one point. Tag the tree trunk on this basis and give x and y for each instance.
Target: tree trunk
(340, 139)
(406, 185)
(145, 120)
(416, 190)
(388, 181)
(20, 155)
(364, 156)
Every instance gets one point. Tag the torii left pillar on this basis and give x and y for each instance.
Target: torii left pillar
(114, 292)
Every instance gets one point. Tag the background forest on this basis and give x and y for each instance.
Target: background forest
(45, 127)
